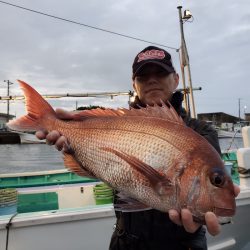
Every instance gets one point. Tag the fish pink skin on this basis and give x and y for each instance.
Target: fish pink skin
(149, 154)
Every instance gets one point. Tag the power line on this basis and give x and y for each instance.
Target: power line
(86, 25)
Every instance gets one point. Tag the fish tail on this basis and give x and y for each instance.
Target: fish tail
(36, 106)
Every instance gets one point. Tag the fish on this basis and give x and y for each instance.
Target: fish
(149, 155)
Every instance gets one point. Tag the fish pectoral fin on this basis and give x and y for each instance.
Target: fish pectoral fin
(161, 184)
(73, 165)
(127, 204)
(131, 207)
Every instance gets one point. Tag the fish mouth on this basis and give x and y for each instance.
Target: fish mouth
(224, 216)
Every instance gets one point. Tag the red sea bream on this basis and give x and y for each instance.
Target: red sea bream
(148, 154)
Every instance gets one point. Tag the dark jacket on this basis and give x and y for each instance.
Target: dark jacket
(152, 229)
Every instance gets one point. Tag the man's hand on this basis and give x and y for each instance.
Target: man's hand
(185, 219)
(54, 137)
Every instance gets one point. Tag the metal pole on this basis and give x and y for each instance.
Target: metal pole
(130, 94)
(186, 101)
(239, 109)
(182, 61)
(186, 61)
(191, 90)
(8, 101)
(96, 94)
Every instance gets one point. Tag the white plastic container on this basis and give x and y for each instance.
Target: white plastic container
(243, 157)
(246, 136)
(229, 166)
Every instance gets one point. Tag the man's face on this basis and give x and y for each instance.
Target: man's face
(153, 84)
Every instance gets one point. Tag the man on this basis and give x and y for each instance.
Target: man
(154, 81)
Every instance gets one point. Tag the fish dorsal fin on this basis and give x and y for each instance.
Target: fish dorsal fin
(164, 112)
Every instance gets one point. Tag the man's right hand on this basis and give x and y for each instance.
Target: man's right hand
(54, 137)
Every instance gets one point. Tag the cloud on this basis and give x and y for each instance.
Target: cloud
(56, 56)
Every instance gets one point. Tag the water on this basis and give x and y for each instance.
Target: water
(229, 143)
(19, 158)
(16, 158)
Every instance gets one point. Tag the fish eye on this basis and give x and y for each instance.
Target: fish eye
(217, 177)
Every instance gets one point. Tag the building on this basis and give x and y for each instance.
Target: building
(218, 118)
(4, 118)
(247, 117)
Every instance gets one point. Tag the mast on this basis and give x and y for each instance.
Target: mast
(185, 58)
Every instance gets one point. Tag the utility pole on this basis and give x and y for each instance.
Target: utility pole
(185, 58)
(186, 97)
(239, 108)
(8, 101)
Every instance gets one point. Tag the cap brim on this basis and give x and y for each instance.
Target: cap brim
(164, 66)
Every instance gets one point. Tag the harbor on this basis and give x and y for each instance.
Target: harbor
(73, 208)
(53, 201)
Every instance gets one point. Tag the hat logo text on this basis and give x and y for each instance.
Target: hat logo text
(151, 54)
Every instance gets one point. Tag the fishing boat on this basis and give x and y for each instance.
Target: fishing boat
(60, 210)
(7, 137)
(55, 210)
(229, 134)
(29, 138)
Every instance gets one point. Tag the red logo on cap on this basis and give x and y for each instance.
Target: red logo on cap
(151, 54)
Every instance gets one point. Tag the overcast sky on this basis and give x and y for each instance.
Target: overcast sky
(60, 57)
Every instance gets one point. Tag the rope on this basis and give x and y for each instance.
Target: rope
(8, 225)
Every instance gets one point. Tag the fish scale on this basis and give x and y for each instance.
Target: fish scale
(96, 160)
(157, 156)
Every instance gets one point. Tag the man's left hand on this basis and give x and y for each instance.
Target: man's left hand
(185, 219)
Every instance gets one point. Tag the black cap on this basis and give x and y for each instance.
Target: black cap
(155, 55)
